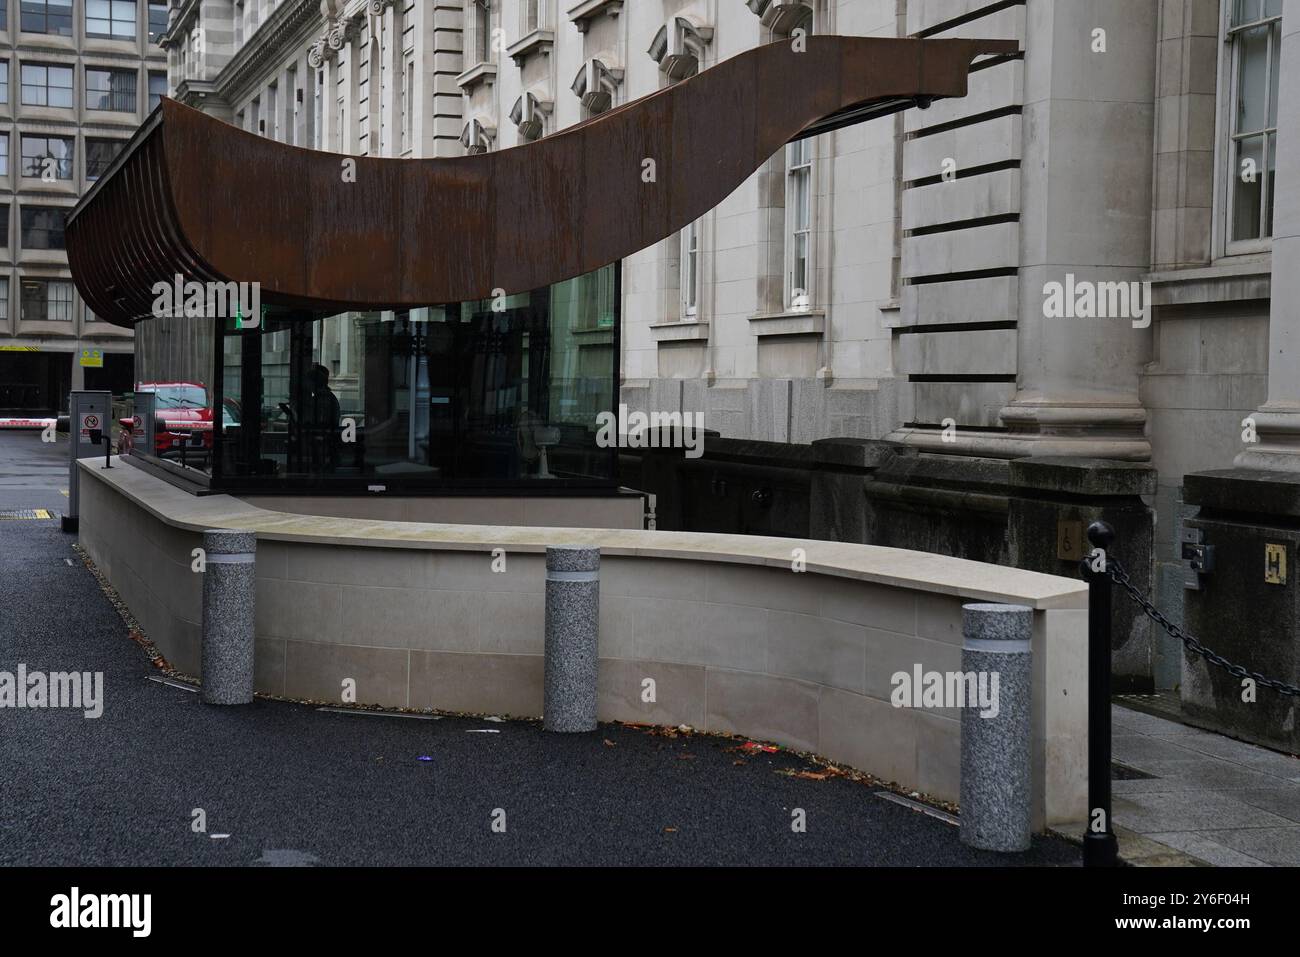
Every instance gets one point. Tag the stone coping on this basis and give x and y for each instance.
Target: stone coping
(922, 571)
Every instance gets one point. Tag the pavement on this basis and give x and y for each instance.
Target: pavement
(281, 784)
(1225, 802)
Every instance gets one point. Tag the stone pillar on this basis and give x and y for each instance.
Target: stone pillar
(229, 593)
(1089, 121)
(1277, 422)
(572, 637)
(995, 738)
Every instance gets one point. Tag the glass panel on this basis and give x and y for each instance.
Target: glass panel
(1275, 43)
(1247, 184)
(470, 394)
(1252, 79)
(1245, 11)
(174, 362)
(1271, 195)
(1272, 8)
(799, 272)
(801, 200)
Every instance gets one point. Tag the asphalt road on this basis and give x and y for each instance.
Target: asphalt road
(289, 785)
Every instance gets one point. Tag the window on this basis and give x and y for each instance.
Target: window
(690, 274)
(4, 299)
(4, 80)
(4, 159)
(363, 93)
(46, 85)
(798, 219)
(482, 31)
(47, 16)
(42, 227)
(1254, 35)
(100, 155)
(273, 109)
(48, 158)
(534, 15)
(46, 300)
(4, 225)
(114, 19)
(111, 90)
(4, 25)
(157, 89)
(158, 20)
(318, 115)
(239, 25)
(295, 96)
(408, 94)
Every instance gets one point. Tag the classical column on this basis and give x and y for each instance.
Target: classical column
(1277, 423)
(1089, 119)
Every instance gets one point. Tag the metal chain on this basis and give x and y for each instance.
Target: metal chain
(1121, 578)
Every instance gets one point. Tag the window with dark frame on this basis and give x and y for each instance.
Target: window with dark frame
(158, 21)
(157, 89)
(44, 155)
(46, 16)
(111, 90)
(111, 19)
(42, 227)
(100, 154)
(46, 300)
(46, 84)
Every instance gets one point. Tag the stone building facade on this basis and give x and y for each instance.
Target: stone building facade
(1076, 260)
(76, 78)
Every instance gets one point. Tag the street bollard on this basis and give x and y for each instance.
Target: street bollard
(995, 732)
(1100, 848)
(229, 591)
(572, 637)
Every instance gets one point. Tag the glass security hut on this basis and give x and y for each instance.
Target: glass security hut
(406, 325)
(486, 394)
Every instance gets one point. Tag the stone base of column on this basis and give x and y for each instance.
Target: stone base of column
(1278, 445)
(1247, 607)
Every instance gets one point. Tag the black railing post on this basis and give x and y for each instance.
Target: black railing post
(1100, 848)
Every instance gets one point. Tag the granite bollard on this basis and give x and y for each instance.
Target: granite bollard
(229, 593)
(572, 637)
(995, 736)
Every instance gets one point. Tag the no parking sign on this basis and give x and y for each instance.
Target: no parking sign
(89, 421)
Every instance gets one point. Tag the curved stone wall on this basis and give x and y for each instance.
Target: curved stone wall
(714, 631)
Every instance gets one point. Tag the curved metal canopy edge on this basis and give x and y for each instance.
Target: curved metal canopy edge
(194, 196)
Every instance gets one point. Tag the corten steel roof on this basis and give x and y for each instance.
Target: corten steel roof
(194, 196)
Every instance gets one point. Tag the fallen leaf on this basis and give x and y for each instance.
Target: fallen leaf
(609, 743)
(669, 830)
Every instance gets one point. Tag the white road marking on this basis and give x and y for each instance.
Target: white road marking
(382, 714)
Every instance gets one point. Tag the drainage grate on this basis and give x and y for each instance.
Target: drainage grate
(14, 514)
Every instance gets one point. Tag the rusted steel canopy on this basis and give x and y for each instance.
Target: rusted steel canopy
(194, 196)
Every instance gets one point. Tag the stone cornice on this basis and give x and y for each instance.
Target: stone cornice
(187, 11)
(284, 29)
